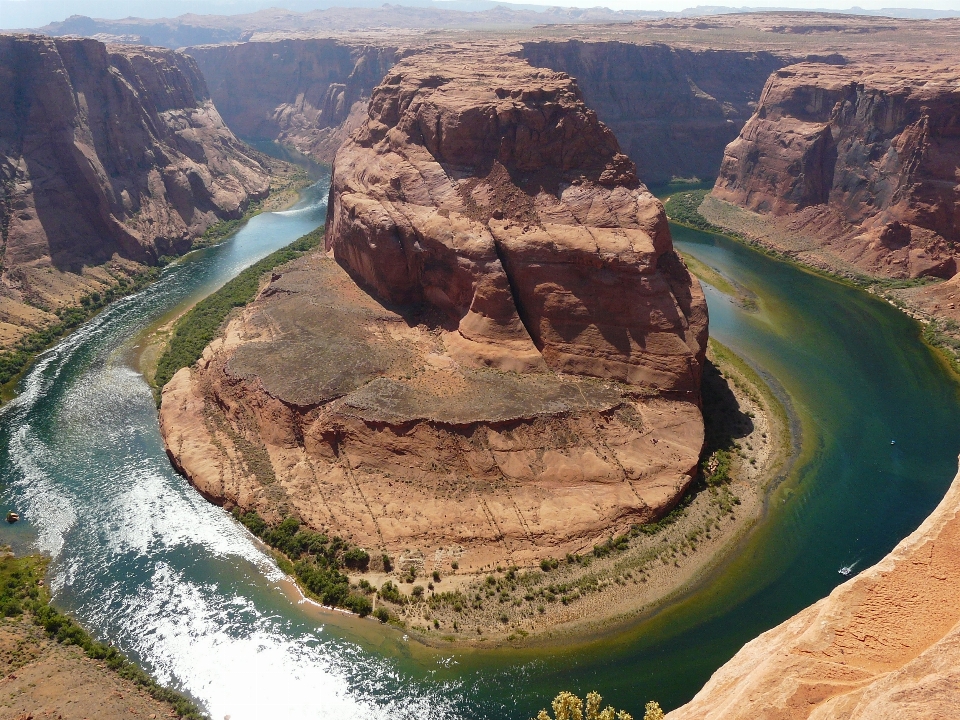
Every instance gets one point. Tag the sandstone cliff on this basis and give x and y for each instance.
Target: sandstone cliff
(107, 154)
(861, 160)
(307, 93)
(883, 645)
(674, 110)
(494, 233)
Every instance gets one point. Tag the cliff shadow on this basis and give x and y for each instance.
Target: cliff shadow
(724, 421)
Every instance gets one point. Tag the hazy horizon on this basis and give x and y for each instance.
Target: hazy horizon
(19, 14)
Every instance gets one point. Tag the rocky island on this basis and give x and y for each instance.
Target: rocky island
(457, 381)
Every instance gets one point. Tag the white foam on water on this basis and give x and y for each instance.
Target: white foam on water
(245, 664)
(49, 508)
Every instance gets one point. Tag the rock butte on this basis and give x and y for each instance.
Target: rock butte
(885, 644)
(107, 153)
(862, 160)
(502, 357)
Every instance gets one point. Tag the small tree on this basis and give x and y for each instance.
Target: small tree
(567, 706)
(653, 711)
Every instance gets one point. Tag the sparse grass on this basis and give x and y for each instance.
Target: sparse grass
(198, 327)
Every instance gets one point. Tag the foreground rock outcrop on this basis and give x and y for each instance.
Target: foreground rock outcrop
(107, 154)
(501, 359)
(885, 644)
(861, 160)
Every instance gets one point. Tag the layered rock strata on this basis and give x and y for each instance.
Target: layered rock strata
(885, 644)
(501, 359)
(107, 154)
(673, 109)
(862, 160)
(309, 93)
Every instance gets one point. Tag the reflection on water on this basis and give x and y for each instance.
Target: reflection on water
(149, 565)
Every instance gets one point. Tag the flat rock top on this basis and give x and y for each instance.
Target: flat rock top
(381, 364)
(919, 80)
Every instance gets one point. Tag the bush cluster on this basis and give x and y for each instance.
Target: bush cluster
(317, 560)
(194, 331)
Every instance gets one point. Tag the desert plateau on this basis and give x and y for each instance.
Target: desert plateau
(478, 360)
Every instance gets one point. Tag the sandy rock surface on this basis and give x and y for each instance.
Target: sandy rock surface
(45, 679)
(885, 644)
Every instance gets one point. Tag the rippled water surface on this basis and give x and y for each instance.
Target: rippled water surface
(144, 562)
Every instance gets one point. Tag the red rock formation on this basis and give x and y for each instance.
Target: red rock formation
(308, 93)
(673, 109)
(862, 159)
(496, 196)
(107, 151)
(501, 234)
(883, 645)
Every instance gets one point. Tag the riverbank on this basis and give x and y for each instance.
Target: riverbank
(51, 667)
(748, 447)
(934, 303)
(120, 278)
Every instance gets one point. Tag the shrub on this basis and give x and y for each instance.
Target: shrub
(567, 706)
(436, 576)
(390, 592)
(381, 614)
(417, 591)
(356, 558)
(548, 564)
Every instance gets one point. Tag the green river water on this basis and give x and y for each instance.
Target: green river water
(144, 562)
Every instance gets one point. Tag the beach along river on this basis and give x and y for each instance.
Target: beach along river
(147, 564)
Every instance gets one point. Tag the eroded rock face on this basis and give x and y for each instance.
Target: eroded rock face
(493, 234)
(309, 93)
(488, 190)
(883, 645)
(862, 158)
(107, 152)
(673, 109)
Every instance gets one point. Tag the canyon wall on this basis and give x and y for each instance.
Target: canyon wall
(883, 645)
(499, 358)
(674, 110)
(308, 93)
(861, 160)
(107, 154)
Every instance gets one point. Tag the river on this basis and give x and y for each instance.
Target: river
(145, 563)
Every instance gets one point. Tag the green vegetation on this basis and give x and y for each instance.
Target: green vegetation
(13, 361)
(194, 331)
(942, 335)
(22, 594)
(315, 560)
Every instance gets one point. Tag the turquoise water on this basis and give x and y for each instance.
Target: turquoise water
(144, 562)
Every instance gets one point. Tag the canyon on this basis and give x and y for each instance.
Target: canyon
(469, 386)
(859, 163)
(488, 398)
(110, 157)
